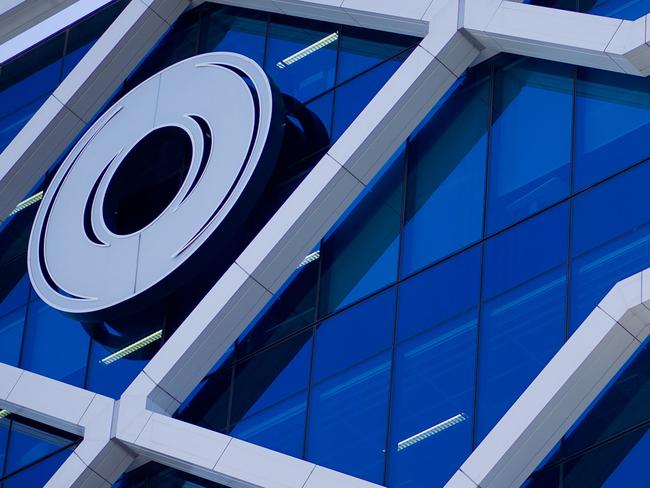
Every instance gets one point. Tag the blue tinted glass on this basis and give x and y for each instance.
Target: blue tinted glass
(280, 427)
(301, 75)
(549, 478)
(622, 463)
(446, 181)
(531, 139)
(362, 49)
(30, 76)
(612, 124)
(5, 425)
(13, 294)
(347, 422)
(39, 473)
(610, 238)
(353, 96)
(323, 108)
(271, 376)
(523, 322)
(437, 295)
(112, 378)
(11, 124)
(11, 334)
(209, 403)
(28, 444)
(239, 31)
(433, 403)
(354, 335)
(621, 9)
(360, 254)
(55, 346)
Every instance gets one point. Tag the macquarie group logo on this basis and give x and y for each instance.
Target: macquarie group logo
(177, 162)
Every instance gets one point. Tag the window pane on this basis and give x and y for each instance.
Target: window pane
(11, 124)
(531, 139)
(5, 425)
(348, 416)
(302, 76)
(38, 474)
(11, 334)
(523, 321)
(442, 293)
(354, 335)
(446, 180)
(610, 238)
(280, 427)
(271, 376)
(433, 403)
(55, 345)
(621, 9)
(28, 444)
(360, 253)
(612, 124)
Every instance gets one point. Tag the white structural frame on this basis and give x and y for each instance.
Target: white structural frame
(455, 34)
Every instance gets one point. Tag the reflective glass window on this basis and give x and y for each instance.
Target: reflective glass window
(354, 335)
(11, 123)
(54, 345)
(28, 444)
(549, 478)
(11, 334)
(280, 427)
(360, 254)
(619, 464)
(530, 149)
(236, 30)
(38, 474)
(446, 179)
(610, 238)
(621, 9)
(433, 403)
(523, 317)
(13, 294)
(271, 376)
(443, 293)
(5, 425)
(347, 422)
(612, 124)
(301, 56)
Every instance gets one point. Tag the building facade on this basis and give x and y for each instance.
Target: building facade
(487, 215)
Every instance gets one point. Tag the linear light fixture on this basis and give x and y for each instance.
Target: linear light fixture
(145, 341)
(456, 419)
(310, 258)
(37, 197)
(4, 413)
(308, 50)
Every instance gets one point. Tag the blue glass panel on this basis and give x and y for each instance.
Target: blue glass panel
(11, 334)
(523, 322)
(354, 335)
(15, 297)
(280, 427)
(433, 403)
(611, 238)
(28, 444)
(271, 376)
(353, 96)
(11, 124)
(112, 379)
(622, 463)
(446, 181)
(347, 423)
(30, 76)
(39, 473)
(549, 478)
(303, 76)
(5, 425)
(440, 294)
(362, 49)
(621, 9)
(360, 254)
(612, 124)
(533, 105)
(236, 30)
(55, 345)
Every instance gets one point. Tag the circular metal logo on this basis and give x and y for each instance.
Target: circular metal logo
(152, 180)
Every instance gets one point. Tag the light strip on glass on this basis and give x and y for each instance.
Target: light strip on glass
(308, 50)
(456, 419)
(145, 341)
(37, 197)
(4, 413)
(310, 258)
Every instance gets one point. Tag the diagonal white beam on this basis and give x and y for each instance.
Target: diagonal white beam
(563, 390)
